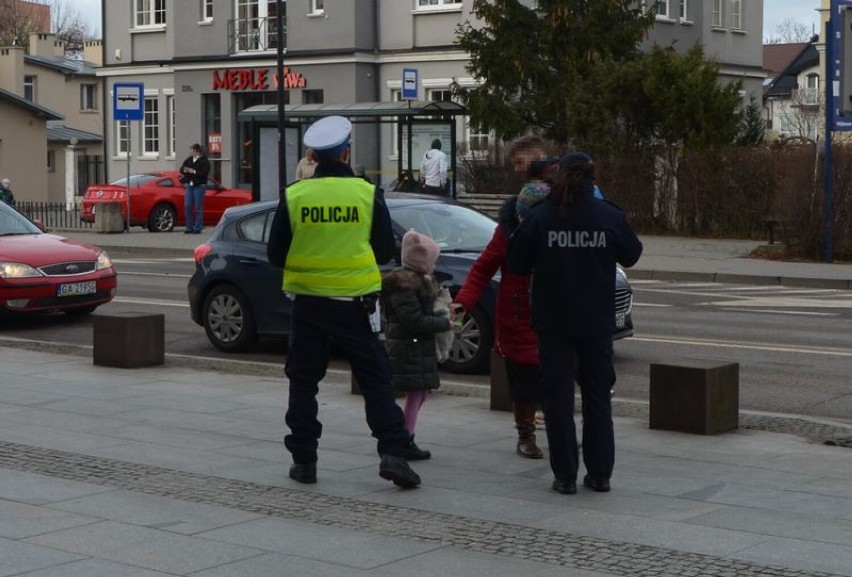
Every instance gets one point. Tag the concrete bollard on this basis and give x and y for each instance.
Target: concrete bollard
(108, 218)
(695, 396)
(128, 340)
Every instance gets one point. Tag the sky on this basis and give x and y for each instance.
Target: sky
(774, 13)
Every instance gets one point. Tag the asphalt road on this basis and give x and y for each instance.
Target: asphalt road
(792, 344)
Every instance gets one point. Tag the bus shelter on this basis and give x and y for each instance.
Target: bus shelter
(388, 138)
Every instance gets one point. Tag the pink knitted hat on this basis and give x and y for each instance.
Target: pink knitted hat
(419, 252)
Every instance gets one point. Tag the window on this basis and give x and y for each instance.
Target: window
(150, 13)
(51, 160)
(206, 10)
(88, 93)
(684, 10)
(441, 95)
(737, 14)
(477, 142)
(254, 27)
(122, 135)
(30, 88)
(716, 19)
(316, 7)
(438, 4)
(313, 97)
(170, 119)
(211, 107)
(151, 126)
(663, 8)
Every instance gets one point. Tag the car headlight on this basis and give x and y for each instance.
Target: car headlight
(619, 272)
(103, 261)
(17, 270)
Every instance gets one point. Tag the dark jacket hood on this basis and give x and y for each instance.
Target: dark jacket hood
(508, 215)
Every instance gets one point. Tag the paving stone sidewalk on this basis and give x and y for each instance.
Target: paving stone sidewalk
(178, 471)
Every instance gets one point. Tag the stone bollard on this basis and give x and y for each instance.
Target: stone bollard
(108, 218)
(695, 396)
(128, 340)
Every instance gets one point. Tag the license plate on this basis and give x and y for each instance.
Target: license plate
(619, 320)
(77, 288)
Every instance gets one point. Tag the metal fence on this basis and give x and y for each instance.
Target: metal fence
(90, 170)
(54, 214)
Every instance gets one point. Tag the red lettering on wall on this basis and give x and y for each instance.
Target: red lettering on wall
(255, 79)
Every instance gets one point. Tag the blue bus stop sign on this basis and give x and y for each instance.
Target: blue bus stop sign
(409, 84)
(127, 100)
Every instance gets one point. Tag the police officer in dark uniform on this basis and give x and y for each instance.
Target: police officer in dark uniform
(329, 233)
(571, 243)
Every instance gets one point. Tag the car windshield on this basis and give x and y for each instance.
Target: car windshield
(12, 222)
(454, 227)
(135, 180)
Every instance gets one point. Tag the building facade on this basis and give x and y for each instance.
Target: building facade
(205, 63)
(62, 97)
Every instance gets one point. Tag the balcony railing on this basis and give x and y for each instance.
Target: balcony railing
(253, 35)
(806, 97)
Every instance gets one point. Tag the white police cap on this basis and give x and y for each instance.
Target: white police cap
(328, 133)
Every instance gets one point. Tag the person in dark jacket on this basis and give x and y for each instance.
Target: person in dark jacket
(514, 339)
(408, 298)
(571, 243)
(194, 170)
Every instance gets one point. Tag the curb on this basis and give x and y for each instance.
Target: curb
(732, 278)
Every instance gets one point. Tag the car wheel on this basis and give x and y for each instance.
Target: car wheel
(472, 346)
(80, 311)
(228, 319)
(162, 218)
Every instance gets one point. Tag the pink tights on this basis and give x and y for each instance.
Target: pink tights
(413, 401)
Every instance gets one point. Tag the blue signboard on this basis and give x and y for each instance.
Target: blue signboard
(409, 83)
(840, 71)
(128, 100)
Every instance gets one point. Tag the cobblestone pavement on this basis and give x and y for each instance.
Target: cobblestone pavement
(503, 539)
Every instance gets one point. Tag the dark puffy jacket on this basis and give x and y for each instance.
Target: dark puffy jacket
(408, 298)
(514, 336)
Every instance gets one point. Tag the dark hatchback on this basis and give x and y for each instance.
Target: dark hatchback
(235, 294)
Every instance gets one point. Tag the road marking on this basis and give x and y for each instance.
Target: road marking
(152, 302)
(659, 305)
(824, 351)
(783, 302)
(802, 313)
(168, 274)
(152, 261)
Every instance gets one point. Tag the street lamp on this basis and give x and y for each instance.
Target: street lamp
(282, 141)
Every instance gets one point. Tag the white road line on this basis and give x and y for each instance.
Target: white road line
(167, 274)
(783, 302)
(151, 302)
(659, 305)
(824, 351)
(770, 311)
(152, 261)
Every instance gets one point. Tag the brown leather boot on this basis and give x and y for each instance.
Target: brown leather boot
(525, 423)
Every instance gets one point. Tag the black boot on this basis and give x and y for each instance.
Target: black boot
(396, 470)
(304, 472)
(525, 423)
(415, 453)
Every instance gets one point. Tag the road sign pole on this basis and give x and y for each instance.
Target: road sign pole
(127, 182)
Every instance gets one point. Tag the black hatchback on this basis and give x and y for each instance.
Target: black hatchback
(235, 294)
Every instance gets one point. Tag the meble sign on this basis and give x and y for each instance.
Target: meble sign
(246, 79)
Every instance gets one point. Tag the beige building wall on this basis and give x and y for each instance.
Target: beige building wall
(23, 152)
(12, 69)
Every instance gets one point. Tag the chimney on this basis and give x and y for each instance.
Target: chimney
(12, 69)
(93, 52)
(44, 44)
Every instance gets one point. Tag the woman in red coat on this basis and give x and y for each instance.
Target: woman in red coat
(514, 338)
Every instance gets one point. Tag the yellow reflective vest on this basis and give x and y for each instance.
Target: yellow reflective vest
(330, 254)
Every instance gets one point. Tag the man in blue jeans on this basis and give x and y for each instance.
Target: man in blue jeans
(194, 172)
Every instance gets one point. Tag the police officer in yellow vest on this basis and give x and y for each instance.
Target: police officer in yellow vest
(329, 233)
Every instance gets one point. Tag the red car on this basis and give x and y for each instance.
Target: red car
(157, 200)
(42, 272)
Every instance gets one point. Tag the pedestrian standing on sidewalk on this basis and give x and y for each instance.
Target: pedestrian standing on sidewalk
(408, 299)
(194, 172)
(329, 234)
(571, 243)
(6, 192)
(433, 170)
(514, 339)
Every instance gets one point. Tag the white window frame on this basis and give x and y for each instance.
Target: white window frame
(736, 14)
(717, 16)
(436, 5)
(88, 97)
(31, 86)
(683, 8)
(662, 7)
(171, 146)
(151, 120)
(265, 33)
(470, 135)
(206, 11)
(149, 14)
(121, 131)
(431, 93)
(316, 7)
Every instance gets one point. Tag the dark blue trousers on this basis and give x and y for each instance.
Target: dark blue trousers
(316, 321)
(596, 376)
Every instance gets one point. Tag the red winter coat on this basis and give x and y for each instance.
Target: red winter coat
(514, 337)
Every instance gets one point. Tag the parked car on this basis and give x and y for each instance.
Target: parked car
(157, 200)
(42, 272)
(235, 294)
